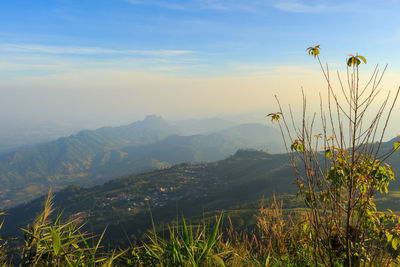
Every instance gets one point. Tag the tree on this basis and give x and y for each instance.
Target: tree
(339, 169)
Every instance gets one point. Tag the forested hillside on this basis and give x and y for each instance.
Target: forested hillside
(236, 183)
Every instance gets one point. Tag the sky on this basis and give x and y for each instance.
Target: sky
(110, 62)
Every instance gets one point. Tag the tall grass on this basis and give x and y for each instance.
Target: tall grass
(57, 243)
(186, 245)
(3, 246)
(277, 241)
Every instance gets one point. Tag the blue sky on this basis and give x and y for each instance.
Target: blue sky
(125, 47)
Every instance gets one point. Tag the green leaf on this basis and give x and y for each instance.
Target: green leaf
(306, 227)
(395, 243)
(396, 146)
(211, 239)
(389, 237)
(328, 153)
(355, 60)
(274, 116)
(349, 62)
(313, 51)
(362, 58)
(185, 234)
(267, 260)
(297, 146)
(56, 241)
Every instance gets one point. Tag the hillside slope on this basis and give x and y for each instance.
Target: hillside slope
(190, 189)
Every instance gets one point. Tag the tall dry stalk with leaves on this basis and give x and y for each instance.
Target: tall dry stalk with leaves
(282, 236)
(274, 227)
(340, 166)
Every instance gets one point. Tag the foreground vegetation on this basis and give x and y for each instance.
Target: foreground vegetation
(63, 243)
(280, 238)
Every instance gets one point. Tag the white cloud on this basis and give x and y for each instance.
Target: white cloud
(326, 6)
(298, 7)
(169, 68)
(30, 64)
(202, 4)
(82, 50)
(258, 6)
(163, 4)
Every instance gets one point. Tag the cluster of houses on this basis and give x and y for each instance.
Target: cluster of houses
(190, 182)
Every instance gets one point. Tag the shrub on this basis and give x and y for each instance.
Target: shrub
(339, 170)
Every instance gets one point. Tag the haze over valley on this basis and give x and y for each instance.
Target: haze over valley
(92, 157)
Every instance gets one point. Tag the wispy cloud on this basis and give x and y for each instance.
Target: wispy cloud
(200, 4)
(83, 50)
(32, 60)
(297, 70)
(169, 68)
(257, 6)
(297, 7)
(318, 6)
(163, 4)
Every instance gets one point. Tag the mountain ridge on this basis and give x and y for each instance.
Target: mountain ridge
(94, 156)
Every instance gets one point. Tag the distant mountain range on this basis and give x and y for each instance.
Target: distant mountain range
(95, 156)
(17, 136)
